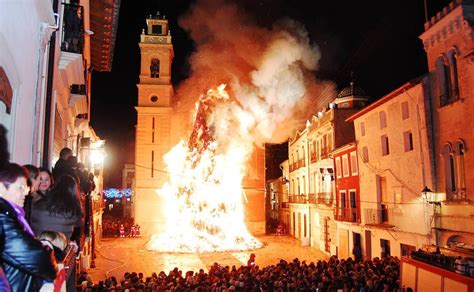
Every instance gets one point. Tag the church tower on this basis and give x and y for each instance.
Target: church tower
(153, 129)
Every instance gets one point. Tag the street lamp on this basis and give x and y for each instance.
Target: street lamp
(429, 196)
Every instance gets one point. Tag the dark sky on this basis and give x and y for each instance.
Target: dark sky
(376, 40)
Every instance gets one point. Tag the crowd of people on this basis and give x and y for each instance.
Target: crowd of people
(336, 275)
(119, 227)
(41, 218)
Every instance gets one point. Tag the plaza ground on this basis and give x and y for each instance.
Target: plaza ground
(115, 256)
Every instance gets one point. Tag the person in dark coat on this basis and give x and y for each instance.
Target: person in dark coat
(25, 260)
(60, 210)
(62, 165)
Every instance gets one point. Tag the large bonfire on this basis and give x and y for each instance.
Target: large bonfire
(204, 208)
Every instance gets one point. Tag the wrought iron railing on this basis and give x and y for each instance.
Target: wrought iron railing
(321, 198)
(347, 214)
(382, 215)
(300, 199)
(73, 29)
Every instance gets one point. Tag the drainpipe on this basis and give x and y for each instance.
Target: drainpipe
(49, 96)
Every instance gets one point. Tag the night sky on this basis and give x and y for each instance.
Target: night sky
(376, 42)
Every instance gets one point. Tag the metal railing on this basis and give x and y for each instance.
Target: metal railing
(300, 199)
(73, 29)
(321, 198)
(382, 215)
(346, 214)
(301, 163)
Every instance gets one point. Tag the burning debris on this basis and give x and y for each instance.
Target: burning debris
(204, 196)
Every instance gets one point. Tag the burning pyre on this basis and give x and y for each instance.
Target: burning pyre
(204, 208)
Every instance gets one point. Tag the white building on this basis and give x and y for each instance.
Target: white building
(394, 166)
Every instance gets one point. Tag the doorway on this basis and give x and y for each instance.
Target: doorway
(368, 244)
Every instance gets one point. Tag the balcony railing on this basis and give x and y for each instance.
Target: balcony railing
(346, 214)
(299, 199)
(324, 152)
(321, 198)
(73, 29)
(301, 163)
(382, 215)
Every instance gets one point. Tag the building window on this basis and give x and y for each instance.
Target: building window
(365, 154)
(460, 170)
(155, 68)
(382, 120)
(304, 223)
(153, 130)
(342, 195)
(152, 162)
(362, 128)
(354, 168)
(385, 145)
(338, 167)
(453, 75)
(443, 80)
(345, 165)
(405, 110)
(408, 140)
(449, 171)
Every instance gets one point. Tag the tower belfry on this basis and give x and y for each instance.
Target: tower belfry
(153, 129)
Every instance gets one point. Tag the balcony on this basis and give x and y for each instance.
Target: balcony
(73, 29)
(298, 199)
(321, 198)
(324, 152)
(284, 205)
(301, 163)
(380, 216)
(347, 215)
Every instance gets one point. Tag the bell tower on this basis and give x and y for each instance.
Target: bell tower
(153, 129)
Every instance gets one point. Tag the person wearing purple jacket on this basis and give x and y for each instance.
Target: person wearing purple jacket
(26, 262)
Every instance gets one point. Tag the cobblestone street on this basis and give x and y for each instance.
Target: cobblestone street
(116, 256)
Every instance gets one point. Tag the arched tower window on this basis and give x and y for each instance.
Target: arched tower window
(444, 85)
(459, 150)
(155, 68)
(449, 171)
(453, 73)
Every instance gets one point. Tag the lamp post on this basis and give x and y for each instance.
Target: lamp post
(430, 197)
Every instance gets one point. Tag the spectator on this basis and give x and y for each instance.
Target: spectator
(83, 175)
(61, 166)
(23, 258)
(59, 242)
(45, 181)
(73, 29)
(60, 210)
(33, 183)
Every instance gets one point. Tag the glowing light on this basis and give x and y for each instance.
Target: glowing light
(97, 157)
(204, 194)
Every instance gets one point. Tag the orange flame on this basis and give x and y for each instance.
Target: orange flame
(204, 207)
